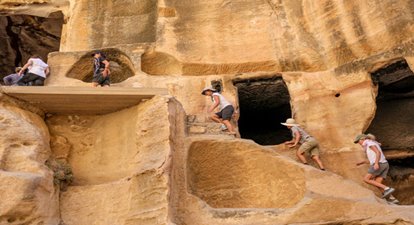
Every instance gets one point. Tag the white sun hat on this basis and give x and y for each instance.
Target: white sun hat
(208, 89)
(290, 122)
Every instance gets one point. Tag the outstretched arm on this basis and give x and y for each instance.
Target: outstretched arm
(216, 103)
(362, 162)
(29, 63)
(296, 139)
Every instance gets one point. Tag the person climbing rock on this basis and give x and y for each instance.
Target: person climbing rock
(379, 167)
(101, 70)
(391, 199)
(12, 79)
(38, 71)
(226, 109)
(308, 144)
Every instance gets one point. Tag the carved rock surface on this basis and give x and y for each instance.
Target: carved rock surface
(27, 192)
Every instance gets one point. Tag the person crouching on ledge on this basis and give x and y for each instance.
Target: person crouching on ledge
(38, 71)
(226, 109)
(308, 144)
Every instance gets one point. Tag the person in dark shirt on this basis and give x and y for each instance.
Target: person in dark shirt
(100, 70)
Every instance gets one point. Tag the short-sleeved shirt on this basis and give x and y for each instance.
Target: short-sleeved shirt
(371, 154)
(97, 65)
(38, 67)
(303, 134)
(223, 101)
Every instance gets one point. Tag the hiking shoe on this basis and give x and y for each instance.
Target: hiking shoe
(388, 192)
(223, 127)
(393, 200)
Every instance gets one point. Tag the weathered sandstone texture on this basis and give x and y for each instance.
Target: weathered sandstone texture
(243, 183)
(117, 163)
(338, 67)
(27, 191)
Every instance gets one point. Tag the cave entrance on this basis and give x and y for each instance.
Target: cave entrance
(264, 104)
(22, 36)
(393, 124)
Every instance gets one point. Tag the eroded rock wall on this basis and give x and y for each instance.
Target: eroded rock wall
(299, 35)
(118, 162)
(323, 50)
(27, 191)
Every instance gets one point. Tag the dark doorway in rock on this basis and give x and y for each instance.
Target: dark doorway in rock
(264, 104)
(401, 177)
(393, 124)
(22, 36)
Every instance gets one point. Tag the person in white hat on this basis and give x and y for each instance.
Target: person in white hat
(379, 167)
(226, 109)
(308, 144)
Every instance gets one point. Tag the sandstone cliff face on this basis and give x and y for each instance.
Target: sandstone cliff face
(27, 190)
(163, 162)
(117, 162)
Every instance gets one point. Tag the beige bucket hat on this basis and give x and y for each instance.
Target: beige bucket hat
(290, 122)
(208, 89)
(359, 137)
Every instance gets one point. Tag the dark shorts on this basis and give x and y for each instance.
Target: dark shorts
(381, 172)
(101, 80)
(31, 79)
(226, 113)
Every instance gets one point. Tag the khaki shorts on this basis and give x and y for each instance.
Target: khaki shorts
(382, 171)
(310, 146)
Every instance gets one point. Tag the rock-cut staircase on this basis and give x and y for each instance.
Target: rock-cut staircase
(199, 126)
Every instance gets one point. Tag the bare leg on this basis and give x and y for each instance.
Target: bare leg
(301, 157)
(229, 126)
(369, 179)
(318, 161)
(379, 180)
(215, 118)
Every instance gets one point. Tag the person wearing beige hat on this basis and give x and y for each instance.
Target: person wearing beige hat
(308, 144)
(226, 109)
(379, 167)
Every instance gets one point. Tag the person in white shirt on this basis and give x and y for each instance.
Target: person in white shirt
(226, 109)
(379, 167)
(38, 71)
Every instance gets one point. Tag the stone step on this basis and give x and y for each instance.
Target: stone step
(205, 128)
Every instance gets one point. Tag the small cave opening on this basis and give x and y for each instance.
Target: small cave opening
(22, 36)
(264, 104)
(393, 125)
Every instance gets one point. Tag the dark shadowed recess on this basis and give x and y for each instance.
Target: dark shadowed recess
(22, 36)
(393, 125)
(264, 104)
